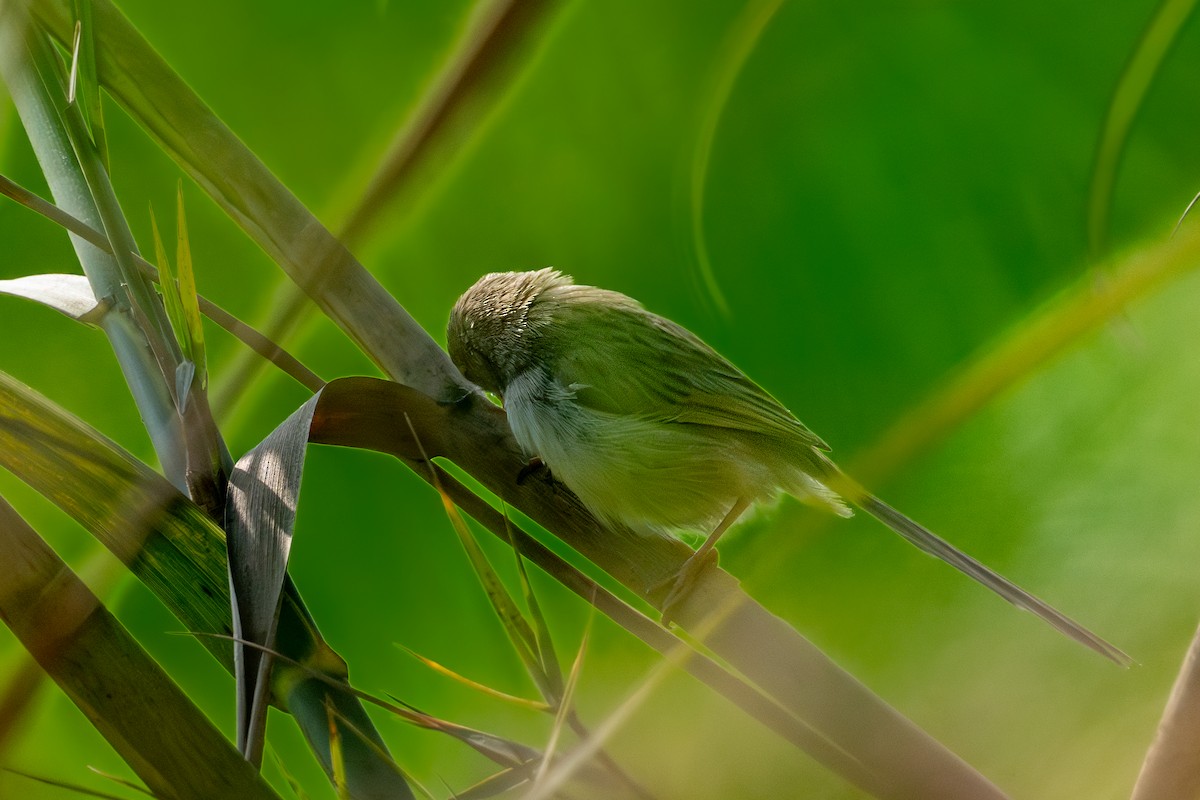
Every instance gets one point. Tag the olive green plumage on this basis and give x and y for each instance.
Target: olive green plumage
(652, 428)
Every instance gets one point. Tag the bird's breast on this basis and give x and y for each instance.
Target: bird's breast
(647, 474)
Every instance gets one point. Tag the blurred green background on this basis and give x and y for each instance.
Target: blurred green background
(893, 188)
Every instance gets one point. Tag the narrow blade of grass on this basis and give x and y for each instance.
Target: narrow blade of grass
(91, 102)
(565, 705)
(1139, 73)
(737, 49)
(74, 788)
(193, 326)
(169, 286)
(545, 643)
(536, 705)
(519, 631)
(117, 779)
(336, 760)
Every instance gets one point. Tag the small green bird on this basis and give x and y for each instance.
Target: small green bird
(653, 429)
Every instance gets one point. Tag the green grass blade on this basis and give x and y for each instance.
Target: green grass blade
(547, 657)
(117, 779)
(131, 701)
(169, 286)
(88, 87)
(336, 759)
(1135, 81)
(564, 711)
(520, 632)
(70, 787)
(149, 311)
(193, 339)
(737, 50)
(368, 771)
(535, 705)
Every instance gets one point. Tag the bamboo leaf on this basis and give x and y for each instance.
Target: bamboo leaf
(131, 701)
(68, 294)
(171, 545)
(39, 108)
(264, 489)
(254, 340)
(169, 286)
(260, 517)
(193, 341)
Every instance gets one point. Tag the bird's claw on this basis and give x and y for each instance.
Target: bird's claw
(534, 466)
(684, 582)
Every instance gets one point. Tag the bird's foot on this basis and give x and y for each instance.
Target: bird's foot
(534, 466)
(684, 581)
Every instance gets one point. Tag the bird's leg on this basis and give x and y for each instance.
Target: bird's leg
(695, 563)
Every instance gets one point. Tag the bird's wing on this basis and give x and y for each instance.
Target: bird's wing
(622, 359)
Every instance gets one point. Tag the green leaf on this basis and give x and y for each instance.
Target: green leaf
(193, 339)
(114, 682)
(264, 489)
(87, 87)
(169, 284)
(169, 543)
(1135, 81)
(38, 99)
(67, 294)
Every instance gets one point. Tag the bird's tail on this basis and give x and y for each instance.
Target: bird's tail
(926, 540)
